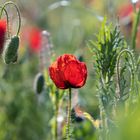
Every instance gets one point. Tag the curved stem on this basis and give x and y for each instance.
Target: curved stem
(18, 12)
(138, 63)
(118, 71)
(69, 116)
(7, 18)
(96, 123)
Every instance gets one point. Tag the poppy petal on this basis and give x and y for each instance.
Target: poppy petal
(75, 74)
(55, 75)
(64, 60)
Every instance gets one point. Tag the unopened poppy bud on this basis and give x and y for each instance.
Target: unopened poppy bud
(15, 59)
(80, 58)
(10, 51)
(39, 83)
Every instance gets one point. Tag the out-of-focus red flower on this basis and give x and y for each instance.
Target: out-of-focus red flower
(31, 37)
(2, 33)
(68, 72)
(126, 11)
(35, 39)
(126, 15)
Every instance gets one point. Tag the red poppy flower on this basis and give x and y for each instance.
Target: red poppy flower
(2, 33)
(35, 39)
(68, 72)
(126, 11)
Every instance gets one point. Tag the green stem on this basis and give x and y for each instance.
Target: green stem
(18, 12)
(118, 70)
(7, 18)
(134, 31)
(69, 116)
(96, 123)
(56, 113)
(104, 130)
(138, 63)
(104, 124)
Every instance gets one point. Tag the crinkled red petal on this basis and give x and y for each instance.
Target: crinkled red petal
(56, 76)
(75, 74)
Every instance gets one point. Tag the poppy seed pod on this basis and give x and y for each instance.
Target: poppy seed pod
(39, 83)
(10, 50)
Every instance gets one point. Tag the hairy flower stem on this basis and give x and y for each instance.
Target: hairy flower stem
(68, 116)
(104, 130)
(56, 114)
(132, 68)
(18, 12)
(104, 124)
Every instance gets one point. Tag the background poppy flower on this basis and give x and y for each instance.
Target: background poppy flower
(31, 36)
(125, 13)
(35, 39)
(2, 33)
(68, 72)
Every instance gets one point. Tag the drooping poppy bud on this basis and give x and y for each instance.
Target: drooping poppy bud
(10, 50)
(68, 72)
(2, 33)
(39, 83)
